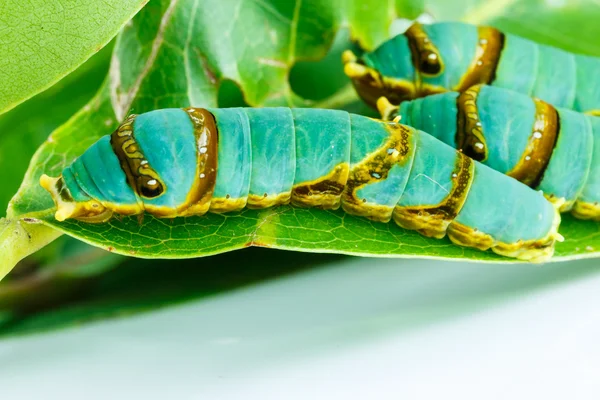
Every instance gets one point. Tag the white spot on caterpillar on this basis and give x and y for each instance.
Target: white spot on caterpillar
(152, 182)
(203, 150)
(432, 56)
(202, 176)
(144, 162)
(392, 152)
(537, 135)
(483, 41)
(527, 158)
(479, 145)
(375, 175)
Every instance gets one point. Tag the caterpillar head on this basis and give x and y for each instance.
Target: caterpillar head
(90, 211)
(93, 187)
(387, 71)
(166, 168)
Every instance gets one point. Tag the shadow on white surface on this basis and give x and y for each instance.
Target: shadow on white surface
(354, 328)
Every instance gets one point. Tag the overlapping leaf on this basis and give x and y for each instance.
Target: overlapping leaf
(42, 41)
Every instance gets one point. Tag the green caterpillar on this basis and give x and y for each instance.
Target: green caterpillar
(453, 56)
(551, 149)
(187, 162)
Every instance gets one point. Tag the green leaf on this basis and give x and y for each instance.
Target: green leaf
(26, 127)
(42, 41)
(177, 53)
(570, 25)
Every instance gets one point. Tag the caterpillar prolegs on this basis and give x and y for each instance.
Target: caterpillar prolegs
(453, 56)
(551, 149)
(183, 162)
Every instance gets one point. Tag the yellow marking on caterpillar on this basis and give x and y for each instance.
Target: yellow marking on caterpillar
(324, 192)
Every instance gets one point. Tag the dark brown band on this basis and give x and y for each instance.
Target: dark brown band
(426, 57)
(433, 221)
(140, 176)
(469, 134)
(487, 56)
(462, 176)
(536, 157)
(206, 134)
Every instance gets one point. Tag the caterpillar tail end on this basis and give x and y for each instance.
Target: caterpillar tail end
(534, 251)
(67, 207)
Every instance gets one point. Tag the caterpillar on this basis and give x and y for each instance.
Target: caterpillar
(552, 149)
(453, 56)
(185, 162)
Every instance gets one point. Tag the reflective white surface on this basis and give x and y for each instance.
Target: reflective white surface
(352, 329)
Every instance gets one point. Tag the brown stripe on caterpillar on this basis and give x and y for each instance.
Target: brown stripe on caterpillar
(141, 177)
(396, 150)
(425, 55)
(485, 62)
(469, 134)
(324, 192)
(63, 191)
(536, 157)
(433, 221)
(206, 138)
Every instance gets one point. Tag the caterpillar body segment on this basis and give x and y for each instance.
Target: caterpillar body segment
(184, 162)
(587, 205)
(551, 149)
(453, 56)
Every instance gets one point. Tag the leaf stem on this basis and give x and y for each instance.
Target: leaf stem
(19, 238)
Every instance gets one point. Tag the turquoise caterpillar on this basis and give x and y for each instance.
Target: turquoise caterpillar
(454, 56)
(186, 162)
(552, 149)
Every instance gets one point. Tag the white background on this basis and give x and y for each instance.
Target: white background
(351, 329)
